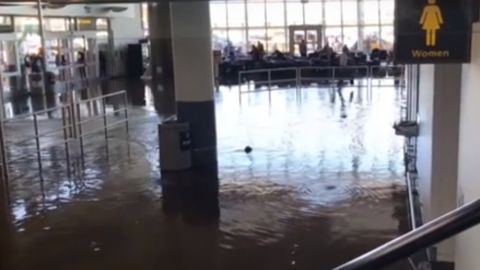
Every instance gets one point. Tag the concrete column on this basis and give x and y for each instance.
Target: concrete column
(439, 114)
(161, 59)
(5, 228)
(193, 69)
(468, 243)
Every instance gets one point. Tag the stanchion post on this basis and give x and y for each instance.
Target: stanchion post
(105, 124)
(37, 143)
(65, 138)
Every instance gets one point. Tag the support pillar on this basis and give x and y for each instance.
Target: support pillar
(161, 58)
(437, 148)
(5, 226)
(194, 88)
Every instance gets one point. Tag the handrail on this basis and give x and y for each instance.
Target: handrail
(425, 236)
(411, 204)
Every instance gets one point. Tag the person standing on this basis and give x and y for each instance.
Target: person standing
(303, 48)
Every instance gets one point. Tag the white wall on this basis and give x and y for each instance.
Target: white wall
(127, 29)
(124, 31)
(439, 99)
(467, 245)
(425, 138)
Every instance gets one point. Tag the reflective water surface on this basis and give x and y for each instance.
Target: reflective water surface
(323, 184)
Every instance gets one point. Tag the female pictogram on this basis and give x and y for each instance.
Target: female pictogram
(431, 21)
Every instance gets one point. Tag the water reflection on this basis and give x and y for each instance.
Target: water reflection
(316, 190)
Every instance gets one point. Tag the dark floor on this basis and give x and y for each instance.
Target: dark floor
(323, 184)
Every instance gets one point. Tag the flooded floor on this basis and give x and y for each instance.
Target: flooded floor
(323, 184)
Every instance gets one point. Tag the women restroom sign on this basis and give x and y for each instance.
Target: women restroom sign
(432, 31)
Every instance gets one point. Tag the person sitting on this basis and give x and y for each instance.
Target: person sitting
(327, 51)
(254, 53)
(261, 49)
(278, 55)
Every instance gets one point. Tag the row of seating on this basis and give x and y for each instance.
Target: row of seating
(229, 71)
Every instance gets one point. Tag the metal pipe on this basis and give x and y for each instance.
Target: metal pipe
(411, 205)
(123, 92)
(65, 138)
(240, 87)
(37, 143)
(105, 125)
(80, 133)
(43, 45)
(3, 153)
(2, 92)
(71, 114)
(425, 236)
(127, 129)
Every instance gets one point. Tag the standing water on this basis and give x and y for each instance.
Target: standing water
(323, 183)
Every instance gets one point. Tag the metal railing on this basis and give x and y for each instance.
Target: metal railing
(35, 137)
(72, 129)
(421, 238)
(299, 76)
(81, 122)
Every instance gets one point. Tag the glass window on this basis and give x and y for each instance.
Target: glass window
(102, 24)
(276, 39)
(238, 38)
(257, 35)
(371, 38)
(387, 37)
(350, 36)
(5, 20)
(294, 13)
(370, 12)
(350, 12)
(219, 39)
(56, 24)
(387, 8)
(275, 14)
(333, 36)
(8, 56)
(333, 14)
(86, 24)
(256, 13)
(313, 13)
(6, 24)
(26, 25)
(218, 14)
(236, 14)
(144, 15)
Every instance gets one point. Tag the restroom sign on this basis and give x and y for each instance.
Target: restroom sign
(432, 31)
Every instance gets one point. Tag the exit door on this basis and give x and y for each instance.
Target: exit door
(312, 34)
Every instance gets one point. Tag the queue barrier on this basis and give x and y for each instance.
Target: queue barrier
(72, 128)
(328, 76)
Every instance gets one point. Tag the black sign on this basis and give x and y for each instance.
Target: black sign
(433, 31)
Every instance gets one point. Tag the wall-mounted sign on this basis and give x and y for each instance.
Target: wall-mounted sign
(86, 24)
(432, 31)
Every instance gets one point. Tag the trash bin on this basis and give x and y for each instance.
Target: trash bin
(175, 146)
